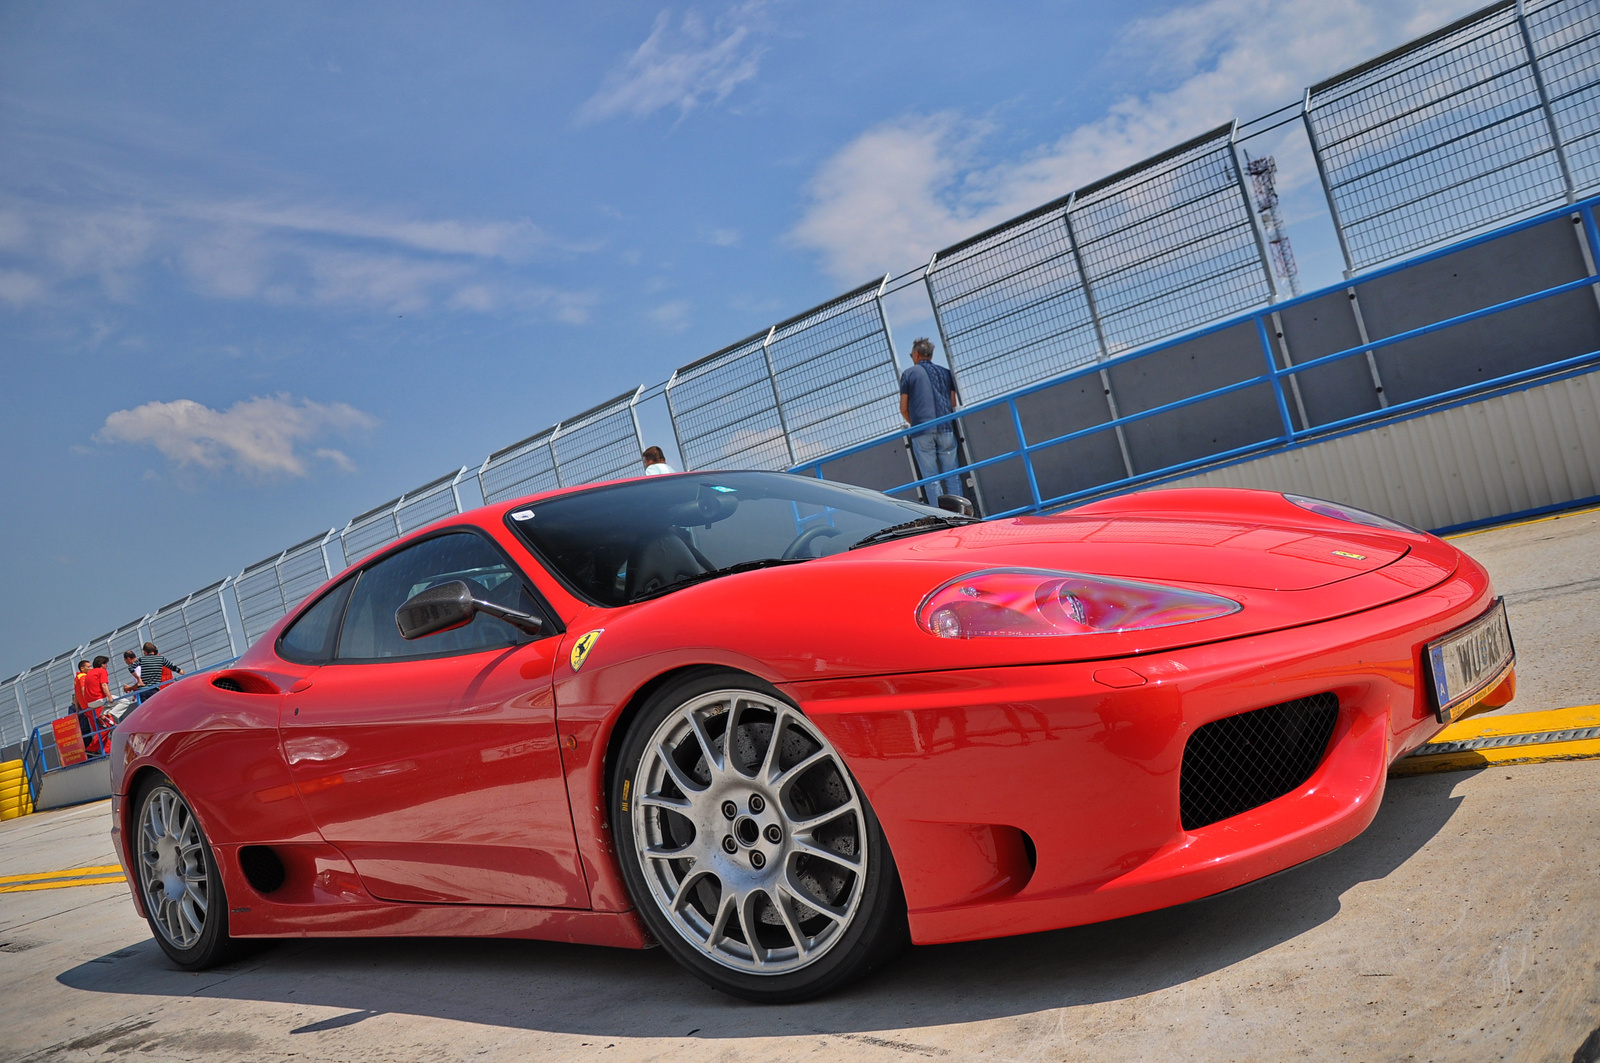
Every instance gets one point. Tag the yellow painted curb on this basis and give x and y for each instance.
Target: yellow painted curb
(1554, 721)
(109, 880)
(79, 872)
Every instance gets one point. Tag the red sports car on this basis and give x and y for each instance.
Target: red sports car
(781, 726)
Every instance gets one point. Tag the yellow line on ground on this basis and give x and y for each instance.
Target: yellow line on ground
(1483, 758)
(1421, 762)
(1521, 723)
(109, 880)
(1530, 520)
(100, 869)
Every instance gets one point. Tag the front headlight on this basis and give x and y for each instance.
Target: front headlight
(1032, 602)
(1340, 511)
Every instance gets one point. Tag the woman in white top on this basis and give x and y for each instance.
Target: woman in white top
(655, 462)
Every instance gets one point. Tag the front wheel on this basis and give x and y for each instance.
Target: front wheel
(748, 848)
(177, 879)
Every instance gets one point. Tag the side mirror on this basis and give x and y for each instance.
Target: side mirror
(956, 504)
(451, 605)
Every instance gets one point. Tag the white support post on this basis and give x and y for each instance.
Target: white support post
(777, 399)
(1099, 331)
(455, 489)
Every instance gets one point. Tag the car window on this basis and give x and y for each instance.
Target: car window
(310, 638)
(370, 632)
(612, 543)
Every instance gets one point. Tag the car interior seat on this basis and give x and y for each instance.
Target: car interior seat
(657, 562)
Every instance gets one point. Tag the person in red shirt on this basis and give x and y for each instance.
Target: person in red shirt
(80, 703)
(78, 700)
(97, 699)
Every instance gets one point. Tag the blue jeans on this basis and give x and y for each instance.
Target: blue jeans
(936, 453)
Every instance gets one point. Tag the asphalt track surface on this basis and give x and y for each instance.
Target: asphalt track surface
(1463, 925)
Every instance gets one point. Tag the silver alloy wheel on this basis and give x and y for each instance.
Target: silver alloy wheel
(749, 832)
(172, 868)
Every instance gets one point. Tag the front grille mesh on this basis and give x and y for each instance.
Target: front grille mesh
(1236, 763)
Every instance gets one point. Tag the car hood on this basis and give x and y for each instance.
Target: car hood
(854, 613)
(1214, 553)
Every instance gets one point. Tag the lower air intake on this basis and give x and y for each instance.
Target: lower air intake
(1236, 763)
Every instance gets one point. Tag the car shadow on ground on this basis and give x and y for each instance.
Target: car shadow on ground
(616, 993)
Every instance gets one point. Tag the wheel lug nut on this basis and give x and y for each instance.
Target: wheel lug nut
(728, 844)
(757, 860)
(773, 833)
(757, 803)
(729, 810)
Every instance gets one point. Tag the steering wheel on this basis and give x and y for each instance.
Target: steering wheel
(806, 538)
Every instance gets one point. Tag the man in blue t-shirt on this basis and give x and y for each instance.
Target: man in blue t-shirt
(928, 391)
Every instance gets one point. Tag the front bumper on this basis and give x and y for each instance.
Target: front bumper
(1030, 798)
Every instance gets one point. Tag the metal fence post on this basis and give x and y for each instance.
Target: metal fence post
(938, 318)
(1372, 359)
(322, 548)
(1288, 360)
(1327, 186)
(672, 419)
(777, 399)
(950, 357)
(1544, 104)
(1099, 333)
(22, 703)
(555, 459)
(455, 489)
(633, 414)
(227, 621)
(1250, 211)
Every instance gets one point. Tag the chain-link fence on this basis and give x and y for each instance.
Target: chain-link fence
(1492, 118)
(1153, 250)
(1471, 125)
(269, 588)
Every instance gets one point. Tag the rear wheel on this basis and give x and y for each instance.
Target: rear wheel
(748, 848)
(177, 879)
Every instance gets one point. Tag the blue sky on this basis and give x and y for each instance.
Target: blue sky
(263, 267)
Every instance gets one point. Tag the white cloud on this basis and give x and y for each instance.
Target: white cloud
(282, 254)
(394, 282)
(506, 240)
(903, 189)
(683, 66)
(18, 288)
(258, 436)
(672, 316)
(724, 237)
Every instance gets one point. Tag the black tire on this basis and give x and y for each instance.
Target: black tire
(169, 847)
(809, 871)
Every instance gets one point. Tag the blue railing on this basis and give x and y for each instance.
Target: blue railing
(1273, 375)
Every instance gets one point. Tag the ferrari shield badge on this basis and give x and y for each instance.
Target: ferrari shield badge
(585, 643)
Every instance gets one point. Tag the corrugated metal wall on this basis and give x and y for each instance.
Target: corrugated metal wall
(1508, 454)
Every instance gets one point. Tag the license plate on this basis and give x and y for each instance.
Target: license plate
(1466, 663)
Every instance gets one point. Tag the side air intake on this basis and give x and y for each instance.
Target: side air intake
(1241, 762)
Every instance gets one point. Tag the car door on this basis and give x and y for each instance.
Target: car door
(432, 765)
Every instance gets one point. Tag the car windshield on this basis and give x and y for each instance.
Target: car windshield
(634, 540)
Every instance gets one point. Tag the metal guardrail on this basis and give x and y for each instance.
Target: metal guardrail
(1272, 375)
(1491, 118)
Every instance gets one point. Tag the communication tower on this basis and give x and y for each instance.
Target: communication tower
(1261, 173)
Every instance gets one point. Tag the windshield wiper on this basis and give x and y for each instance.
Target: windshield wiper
(701, 577)
(915, 527)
